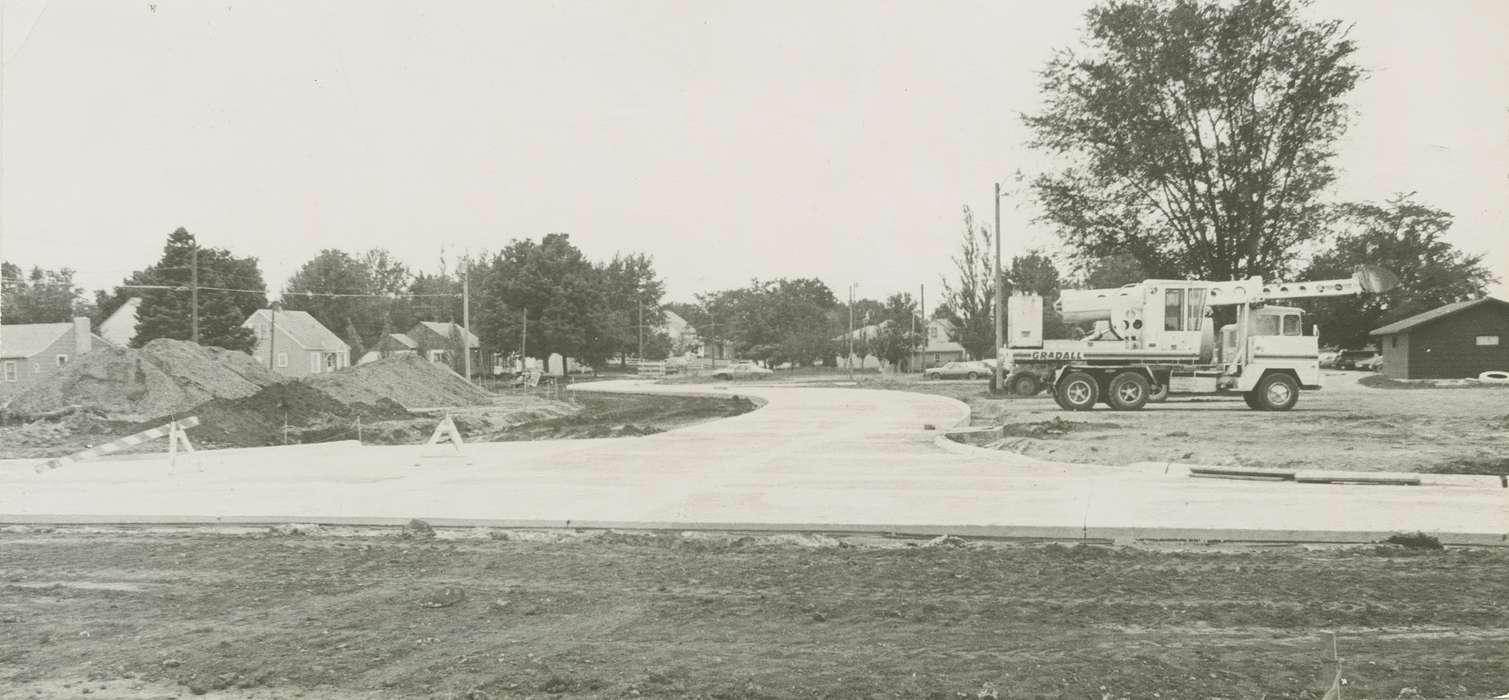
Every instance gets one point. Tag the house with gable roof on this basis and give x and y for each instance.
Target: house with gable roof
(30, 352)
(294, 344)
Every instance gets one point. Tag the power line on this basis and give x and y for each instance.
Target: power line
(396, 295)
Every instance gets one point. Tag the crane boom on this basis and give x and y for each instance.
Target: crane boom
(1367, 279)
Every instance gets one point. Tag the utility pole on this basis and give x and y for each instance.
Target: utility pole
(272, 334)
(922, 297)
(466, 319)
(714, 320)
(851, 332)
(194, 288)
(1000, 299)
(640, 297)
(524, 341)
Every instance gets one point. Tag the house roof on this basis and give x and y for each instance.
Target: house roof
(1434, 314)
(130, 307)
(444, 329)
(403, 340)
(303, 328)
(27, 339)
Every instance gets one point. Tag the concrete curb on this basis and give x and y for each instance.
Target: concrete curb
(1179, 469)
(1097, 534)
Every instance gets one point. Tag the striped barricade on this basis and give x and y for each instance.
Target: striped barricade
(173, 428)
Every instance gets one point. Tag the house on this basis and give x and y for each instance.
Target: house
(32, 351)
(1457, 340)
(860, 359)
(294, 344)
(441, 342)
(683, 336)
(396, 345)
(938, 347)
(120, 327)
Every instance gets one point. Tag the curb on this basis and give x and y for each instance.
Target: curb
(1307, 476)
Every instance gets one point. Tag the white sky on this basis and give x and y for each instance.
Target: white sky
(728, 139)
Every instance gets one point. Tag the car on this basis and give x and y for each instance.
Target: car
(1327, 359)
(1348, 359)
(958, 370)
(1371, 364)
(741, 369)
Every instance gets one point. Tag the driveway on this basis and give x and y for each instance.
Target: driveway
(811, 458)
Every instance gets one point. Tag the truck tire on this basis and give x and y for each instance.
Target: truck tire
(972, 376)
(1159, 393)
(1023, 384)
(1077, 391)
(1275, 392)
(1128, 391)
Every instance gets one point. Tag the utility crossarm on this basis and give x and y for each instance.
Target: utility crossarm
(1367, 278)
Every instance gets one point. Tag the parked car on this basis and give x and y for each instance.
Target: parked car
(1371, 364)
(741, 369)
(958, 370)
(1348, 359)
(1327, 359)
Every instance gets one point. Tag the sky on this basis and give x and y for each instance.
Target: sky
(730, 140)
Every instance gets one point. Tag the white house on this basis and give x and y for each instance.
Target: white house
(296, 343)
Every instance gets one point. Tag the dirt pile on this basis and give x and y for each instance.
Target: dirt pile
(309, 414)
(163, 378)
(411, 381)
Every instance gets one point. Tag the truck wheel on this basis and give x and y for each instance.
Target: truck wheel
(1275, 392)
(1077, 391)
(1159, 394)
(1128, 391)
(972, 375)
(1251, 399)
(1024, 384)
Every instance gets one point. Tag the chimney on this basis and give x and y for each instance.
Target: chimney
(83, 339)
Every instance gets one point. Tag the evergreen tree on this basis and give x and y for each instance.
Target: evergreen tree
(230, 290)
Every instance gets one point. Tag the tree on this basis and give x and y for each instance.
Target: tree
(1197, 134)
(1113, 271)
(1405, 237)
(231, 289)
(560, 292)
(896, 339)
(41, 296)
(629, 286)
(970, 300)
(333, 288)
(773, 321)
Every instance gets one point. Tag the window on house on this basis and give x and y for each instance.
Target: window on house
(62, 360)
(282, 359)
(1487, 340)
(1173, 310)
(10, 372)
(932, 332)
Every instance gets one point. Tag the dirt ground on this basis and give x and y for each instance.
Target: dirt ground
(488, 614)
(1345, 426)
(621, 415)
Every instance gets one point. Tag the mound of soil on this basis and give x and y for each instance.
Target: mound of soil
(163, 378)
(409, 380)
(310, 414)
(606, 415)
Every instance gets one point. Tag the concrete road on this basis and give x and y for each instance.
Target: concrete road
(811, 458)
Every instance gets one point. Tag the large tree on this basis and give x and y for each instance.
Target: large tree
(1196, 135)
(633, 293)
(1407, 238)
(338, 290)
(231, 288)
(557, 289)
(774, 321)
(970, 298)
(40, 296)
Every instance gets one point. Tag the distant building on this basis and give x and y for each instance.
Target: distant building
(395, 345)
(1457, 340)
(938, 348)
(298, 344)
(441, 342)
(120, 327)
(30, 352)
(683, 336)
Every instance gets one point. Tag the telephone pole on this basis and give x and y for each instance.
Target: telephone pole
(1000, 299)
(850, 359)
(194, 289)
(466, 319)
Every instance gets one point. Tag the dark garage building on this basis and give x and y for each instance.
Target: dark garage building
(1454, 341)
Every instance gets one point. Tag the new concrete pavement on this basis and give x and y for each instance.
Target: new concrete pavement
(811, 458)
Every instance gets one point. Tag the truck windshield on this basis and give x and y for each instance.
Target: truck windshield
(1265, 325)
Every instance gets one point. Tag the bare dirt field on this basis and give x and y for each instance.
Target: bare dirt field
(301, 611)
(1345, 426)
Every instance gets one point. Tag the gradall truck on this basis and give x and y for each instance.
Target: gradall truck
(1156, 337)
